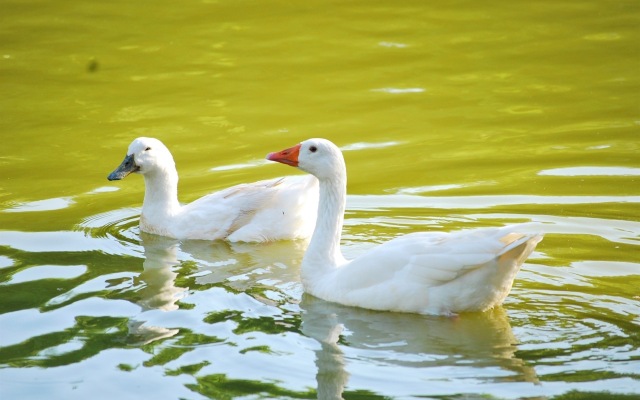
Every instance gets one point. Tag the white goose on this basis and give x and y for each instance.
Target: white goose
(426, 273)
(255, 212)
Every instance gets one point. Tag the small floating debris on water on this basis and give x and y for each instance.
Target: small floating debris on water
(93, 65)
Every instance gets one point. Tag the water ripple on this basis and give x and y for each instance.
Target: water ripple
(119, 224)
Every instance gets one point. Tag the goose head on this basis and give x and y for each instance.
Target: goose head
(319, 157)
(144, 156)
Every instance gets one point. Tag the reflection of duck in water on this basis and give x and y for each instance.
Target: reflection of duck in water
(159, 291)
(161, 256)
(243, 265)
(474, 340)
(240, 266)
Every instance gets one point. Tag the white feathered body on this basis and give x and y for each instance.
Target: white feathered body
(428, 273)
(275, 209)
(263, 211)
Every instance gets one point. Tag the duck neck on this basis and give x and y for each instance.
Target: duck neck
(161, 194)
(324, 252)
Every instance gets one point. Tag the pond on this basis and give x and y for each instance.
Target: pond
(451, 116)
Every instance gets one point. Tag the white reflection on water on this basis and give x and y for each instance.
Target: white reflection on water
(377, 202)
(61, 241)
(41, 205)
(369, 145)
(338, 350)
(48, 272)
(229, 167)
(159, 290)
(5, 262)
(261, 162)
(393, 90)
(56, 203)
(592, 171)
(370, 341)
(22, 325)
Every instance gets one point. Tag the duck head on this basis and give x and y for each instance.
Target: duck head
(319, 157)
(144, 156)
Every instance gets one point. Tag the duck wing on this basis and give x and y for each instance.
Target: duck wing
(437, 272)
(249, 212)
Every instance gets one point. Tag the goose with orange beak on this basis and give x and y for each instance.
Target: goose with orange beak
(425, 272)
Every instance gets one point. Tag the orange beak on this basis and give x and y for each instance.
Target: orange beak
(287, 156)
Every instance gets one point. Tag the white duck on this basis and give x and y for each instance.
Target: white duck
(426, 273)
(255, 212)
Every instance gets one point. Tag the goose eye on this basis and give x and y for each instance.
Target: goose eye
(147, 149)
(313, 149)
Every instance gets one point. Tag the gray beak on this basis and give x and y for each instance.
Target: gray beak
(128, 166)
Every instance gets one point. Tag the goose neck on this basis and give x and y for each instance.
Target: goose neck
(324, 249)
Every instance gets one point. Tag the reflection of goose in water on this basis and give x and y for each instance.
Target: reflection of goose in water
(474, 340)
(141, 334)
(324, 325)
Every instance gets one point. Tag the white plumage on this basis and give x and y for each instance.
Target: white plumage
(274, 209)
(427, 273)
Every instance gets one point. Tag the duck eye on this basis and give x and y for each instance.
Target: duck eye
(147, 149)
(313, 149)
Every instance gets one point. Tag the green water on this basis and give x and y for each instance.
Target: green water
(451, 116)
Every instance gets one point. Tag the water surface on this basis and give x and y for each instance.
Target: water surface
(451, 116)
